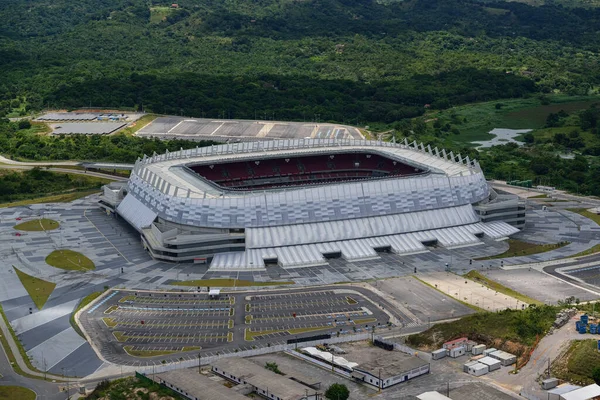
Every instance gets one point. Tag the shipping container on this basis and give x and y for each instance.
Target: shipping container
(492, 363)
(466, 366)
(487, 352)
(457, 351)
(478, 349)
(436, 355)
(549, 383)
(478, 369)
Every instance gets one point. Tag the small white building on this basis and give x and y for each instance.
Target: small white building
(504, 357)
(492, 363)
(478, 369)
(476, 350)
(585, 393)
(383, 373)
(214, 293)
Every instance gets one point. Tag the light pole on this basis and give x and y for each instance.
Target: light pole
(67, 376)
(199, 363)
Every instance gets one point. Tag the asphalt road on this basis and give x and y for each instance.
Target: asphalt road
(67, 171)
(44, 390)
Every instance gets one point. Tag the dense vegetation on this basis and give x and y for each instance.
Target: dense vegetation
(132, 388)
(387, 64)
(345, 60)
(26, 144)
(37, 182)
(562, 153)
(522, 327)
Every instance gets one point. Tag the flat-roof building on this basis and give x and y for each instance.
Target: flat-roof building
(266, 383)
(585, 393)
(383, 373)
(492, 363)
(556, 393)
(504, 357)
(194, 386)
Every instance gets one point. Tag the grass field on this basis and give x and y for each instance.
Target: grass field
(514, 114)
(519, 248)
(577, 364)
(16, 393)
(139, 124)
(228, 283)
(39, 290)
(484, 280)
(84, 302)
(158, 14)
(36, 225)
(56, 198)
(69, 260)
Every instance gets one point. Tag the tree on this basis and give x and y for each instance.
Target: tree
(272, 366)
(24, 124)
(596, 375)
(529, 138)
(337, 391)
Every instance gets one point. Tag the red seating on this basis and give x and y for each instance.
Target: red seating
(261, 174)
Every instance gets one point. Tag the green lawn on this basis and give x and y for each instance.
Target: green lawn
(69, 260)
(228, 283)
(519, 248)
(484, 280)
(39, 290)
(157, 14)
(36, 225)
(16, 393)
(579, 362)
(84, 302)
(139, 124)
(154, 353)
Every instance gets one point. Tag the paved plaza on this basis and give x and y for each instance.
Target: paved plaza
(121, 262)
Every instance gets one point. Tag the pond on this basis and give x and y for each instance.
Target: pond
(502, 136)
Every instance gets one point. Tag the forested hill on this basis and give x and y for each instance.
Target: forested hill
(353, 61)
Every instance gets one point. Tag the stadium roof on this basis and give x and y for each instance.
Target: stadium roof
(168, 167)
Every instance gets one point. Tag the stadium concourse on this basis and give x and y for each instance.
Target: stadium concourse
(296, 203)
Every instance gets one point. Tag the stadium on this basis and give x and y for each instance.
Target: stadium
(301, 202)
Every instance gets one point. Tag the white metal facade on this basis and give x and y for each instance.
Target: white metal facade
(299, 225)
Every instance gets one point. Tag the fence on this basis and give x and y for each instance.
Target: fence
(246, 353)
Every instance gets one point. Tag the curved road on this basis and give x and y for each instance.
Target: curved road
(23, 167)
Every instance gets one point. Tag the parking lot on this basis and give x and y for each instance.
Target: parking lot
(129, 325)
(316, 311)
